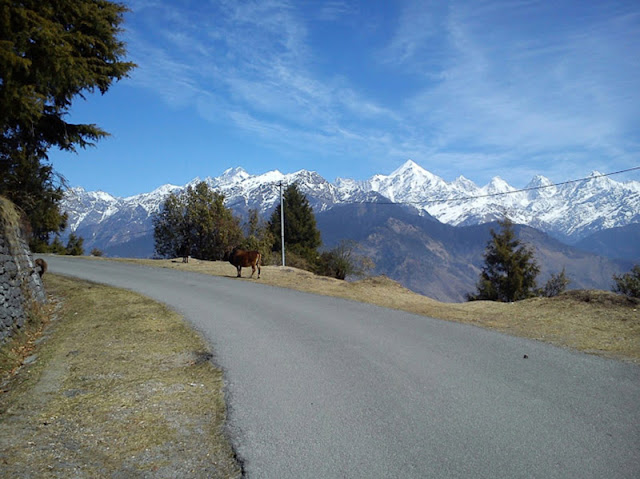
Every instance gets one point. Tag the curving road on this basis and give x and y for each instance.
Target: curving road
(326, 388)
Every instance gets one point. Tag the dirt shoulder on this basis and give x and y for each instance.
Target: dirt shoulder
(118, 386)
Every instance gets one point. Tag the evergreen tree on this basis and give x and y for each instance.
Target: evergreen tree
(75, 245)
(195, 223)
(510, 270)
(37, 190)
(56, 247)
(301, 234)
(51, 52)
(258, 236)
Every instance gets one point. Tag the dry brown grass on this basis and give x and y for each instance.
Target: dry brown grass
(596, 322)
(121, 387)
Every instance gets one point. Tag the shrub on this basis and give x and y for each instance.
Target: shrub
(96, 252)
(556, 284)
(628, 283)
(342, 261)
(295, 260)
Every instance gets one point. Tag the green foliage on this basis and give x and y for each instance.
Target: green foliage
(258, 236)
(557, 284)
(510, 271)
(74, 245)
(301, 234)
(628, 283)
(342, 261)
(294, 260)
(50, 53)
(195, 223)
(96, 252)
(37, 190)
(56, 247)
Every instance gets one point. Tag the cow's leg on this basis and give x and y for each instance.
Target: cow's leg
(239, 271)
(253, 270)
(258, 270)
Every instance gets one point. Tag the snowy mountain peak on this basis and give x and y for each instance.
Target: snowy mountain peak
(463, 184)
(409, 166)
(165, 189)
(539, 181)
(193, 182)
(498, 185)
(412, 171)
(233, 175)
(309, 177)
(273, 176)
(571, 210)
(599, 180)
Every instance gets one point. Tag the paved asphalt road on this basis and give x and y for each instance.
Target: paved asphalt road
(326, 388)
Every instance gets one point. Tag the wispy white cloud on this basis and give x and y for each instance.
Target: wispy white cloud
(253, 61)
(333, 10)
(415, 41)
(560, 89)
(490, 84)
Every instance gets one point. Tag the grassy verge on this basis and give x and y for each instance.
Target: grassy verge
(120, 388)
(22, 343)
(596, 322)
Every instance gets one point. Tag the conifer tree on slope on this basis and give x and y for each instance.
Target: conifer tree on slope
(50, 53)
(301, 234)
(510, 270)
(258, 235)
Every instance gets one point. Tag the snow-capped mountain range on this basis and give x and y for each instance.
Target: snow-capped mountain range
(568, 212)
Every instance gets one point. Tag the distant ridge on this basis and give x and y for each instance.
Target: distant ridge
(569, 212)
(450, 234)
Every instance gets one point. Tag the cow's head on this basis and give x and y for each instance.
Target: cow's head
(228, 254)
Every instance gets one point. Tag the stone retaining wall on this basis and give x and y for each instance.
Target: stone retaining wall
(20, 283)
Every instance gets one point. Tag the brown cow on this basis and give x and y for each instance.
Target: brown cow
(241, 259)
(41, 266)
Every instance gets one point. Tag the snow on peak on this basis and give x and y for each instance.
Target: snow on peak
(101, 196)
(576, 208)
(165, 189)
(411, 167)
(464, 184)
(498, 185)
(233, 175)
(77, 190)
(272, 176)
(539, 181)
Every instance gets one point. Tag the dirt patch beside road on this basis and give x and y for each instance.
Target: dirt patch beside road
(120, 387)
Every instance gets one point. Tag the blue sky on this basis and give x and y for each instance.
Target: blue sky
(354, 88)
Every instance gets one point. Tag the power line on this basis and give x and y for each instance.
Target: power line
(489, 195)
(468, 198)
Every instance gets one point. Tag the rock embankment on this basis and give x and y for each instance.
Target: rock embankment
(20, 283)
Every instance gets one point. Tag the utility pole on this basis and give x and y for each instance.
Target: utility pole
(282, 222)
